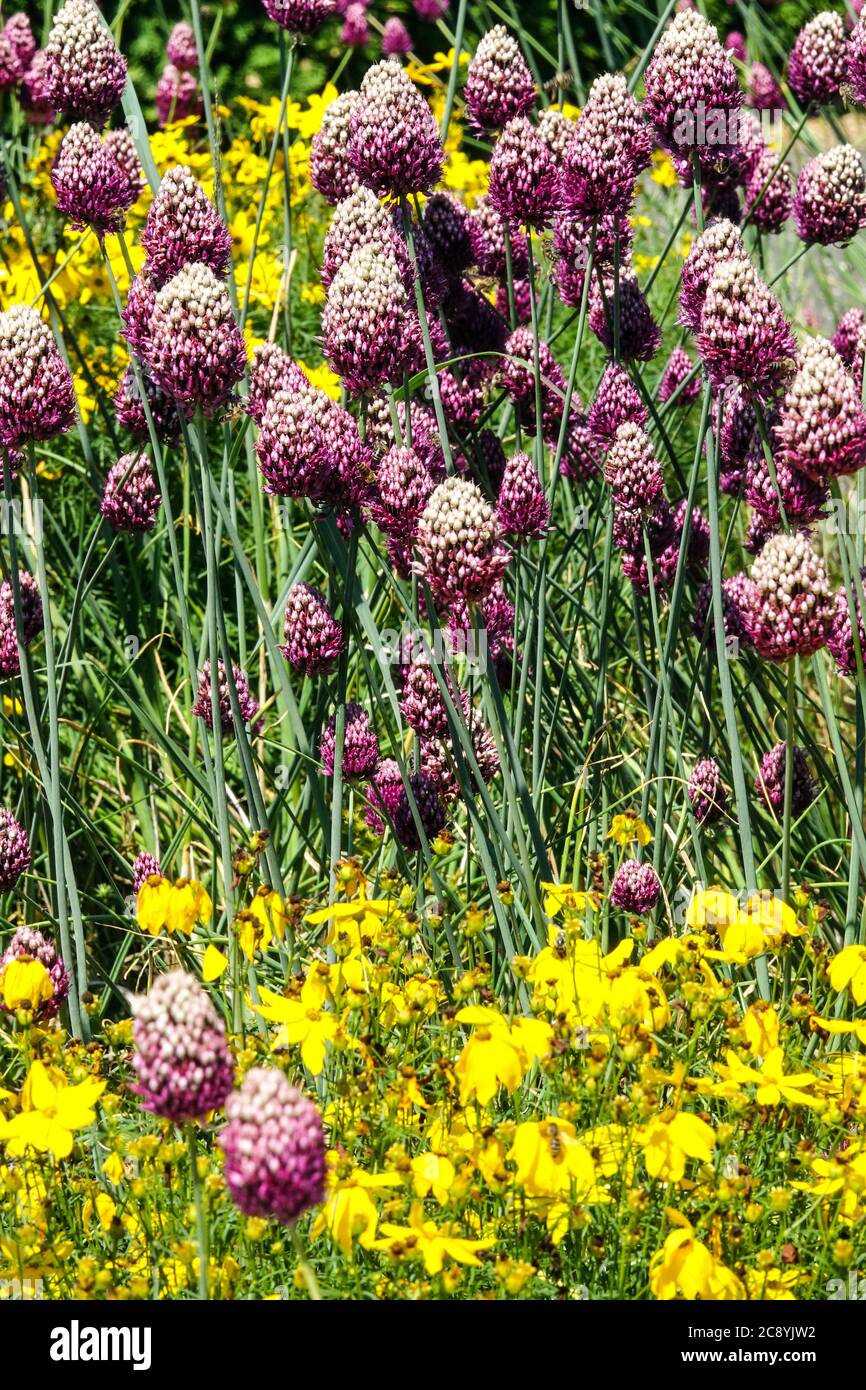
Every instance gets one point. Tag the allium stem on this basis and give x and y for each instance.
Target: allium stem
(336, 847)
(455, 68)
(780, 275)
(307, 1272)
(789, 777)
(200, 1213)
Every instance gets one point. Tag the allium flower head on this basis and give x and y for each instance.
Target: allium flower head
(850, 336)
(487, 231)
(429, 807)
(164, 412)
(521, 507)
(183, 226)
(459, 543)
(195, 349)
(791, 607)
(769, 193)
(274, 1148)
(840, 643)
(36, 91)
(291, 444)
(32, 620)
(447, 224)
(247, 704)
(331, 171)
(396, 39)
(616, 402)
(802, 497)
(499, 85)
(181, 1059)
(632, 469)
(518, 368)
(678, 370)
(763, 91)
(639, 334)
(19, 35)
(383, 795)
(707, 792)
(360, 745)
(37, 396)
(181, 47)
(856, 59)
(610, 145)
(403, 489)
(121, 147)
(358, 220)
(15, 855)
(635, 888)
(422, 704)
(744, 335)
(816, 66)
(130, 500)
(830, 203)
(144, 866)
(271, 370)
(138, 311)
(524, 180)
(86, 71)
(555, 129)
(177, 95)
(355, 32)
(822, 424)
(366, 322)
(394, 142)
(298, 16)
(770, 781)
(28, 944)
(720, 241)
(314, 638)
(691, 81)
(91, 188)
(437, 758)
(736, 596)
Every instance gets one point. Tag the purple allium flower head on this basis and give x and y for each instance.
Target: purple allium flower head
(29, 944)
(396, 39)
(355, 32)
(314, 638)
(422, 704)
(274, 1148)
(518, 368)
(177, 95)
(667, 558)
(736, 595)
(431, 812)
(247, 704)
(522, 301)
(850, 334)
(462, 401)
(144, 866)
(447, 224)
(121, 147)
(822, 424)
(19, 36)
(770, 781)
(11, 67)
(719, 242)
(36, 91)
(37, 396)
(856, 59)
(403, 489)
(183, 226)
(610, 145)
(437, 759)
(459, 544)
(298, 16)
(360, 745)
(499, 85)
(579, 457)
(140, 302)
(195, 349)
(524, 180)
(707, 792)
(769, 203)
(181, 47)
(763, 91)
(521, 507)
(394, 142)
(639, 334)
(635, 888)
(791, 607)
(744, 334)
(840, 643)
(678, 369)
(32, 620)
(130, 500)
(487, 232)
(735, 43)
(165, 412)
(691, 86)
(739, 435)
(366, 322)
(359, 220)
(430, 10)
(803, 498)
(830, 203)
(271, 370)
(91, 188)
(616, 403)
(816, 65)
(181, 1057)
(632, 469)
(331, 171)
(555, 129)
(15, 855)
(383, 795)
(85, 69)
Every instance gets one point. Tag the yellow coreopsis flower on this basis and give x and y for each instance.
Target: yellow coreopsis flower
(848, 971)
(51, 1112)
(434, 1245)
(214, 964)
(685, 1267)
(671, 1138)
(772, 1083)
(761, 1027)
(491, 1057)
(628, 827)
(552, 1162)
(25, 984)
(432, 1172)
(188, 903)
(349, 1211)
(303, 1023)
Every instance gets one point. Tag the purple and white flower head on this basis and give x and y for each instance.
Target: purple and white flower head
(763, 91)
(247, 704)
(36, 91)
(422, 704)
(131, 500)
(736, 596)
(15, 853)
(791, 607)
(856, 60)
(744, 335)
(555, 129)
(355, 32)
(447, 224)
(428, 804)
(299, 16)
(195, 350)
(403, 488)
(521, 507)
(720, 241)
(18, 34)
(274, 1148)
(360, 745)
(633, 471)
(90, 186)
(383, 796)
(177, 95)
(816, 65)
(692, 93)
(37, 395)
(706, 792)
(635, 888)
(358, 220)
(314, 638)
(396, 39)
(487, 235)
(271, 370)
(437, 759)
(181, 1057)
(164, 412)
(803, 498)
(616, 403)
(331, 171)
(769, 194)
(29, 944)
(770, 781)
(518, 369)
(841, 643)
(366, 322)
(183, 226)
(121, 147)
(145, 866)
(291, 444)
(850, 336)
(86, 71)
(610, 145)
(32, 621)
(639, 334)
(138, 311)
(524, 180)
(679, 368)
(459, 546)
(181, 48)
(830, 202)
(394, 142)
(822, 424)
(499, 85)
